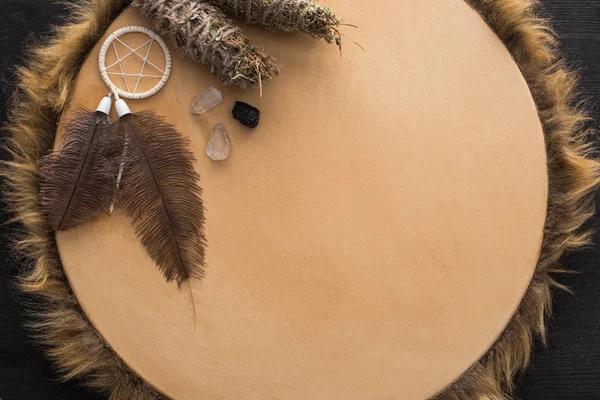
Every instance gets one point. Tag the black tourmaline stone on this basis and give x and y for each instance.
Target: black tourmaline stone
(246, 114)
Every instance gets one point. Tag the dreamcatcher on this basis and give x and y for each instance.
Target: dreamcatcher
(138, 163)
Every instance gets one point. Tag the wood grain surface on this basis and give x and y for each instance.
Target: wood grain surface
(569, 368)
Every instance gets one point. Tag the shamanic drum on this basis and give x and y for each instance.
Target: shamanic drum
(387, 232)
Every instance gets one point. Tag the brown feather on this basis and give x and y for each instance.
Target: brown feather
(78, 182)
(161, 194)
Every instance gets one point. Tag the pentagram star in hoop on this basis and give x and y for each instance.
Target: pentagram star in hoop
(128, 72)
(144, 58)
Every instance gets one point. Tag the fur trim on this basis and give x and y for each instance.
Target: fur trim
(573, 173)
(79, 351)
(43, 89)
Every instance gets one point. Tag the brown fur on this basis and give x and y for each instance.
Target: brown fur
(43, 90)
(79, 351)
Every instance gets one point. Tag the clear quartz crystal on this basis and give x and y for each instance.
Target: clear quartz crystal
(219, 144)
(206, 101)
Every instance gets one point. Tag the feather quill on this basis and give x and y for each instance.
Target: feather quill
(159, 191)
(77, 181)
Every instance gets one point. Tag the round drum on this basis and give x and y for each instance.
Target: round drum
(371, 239)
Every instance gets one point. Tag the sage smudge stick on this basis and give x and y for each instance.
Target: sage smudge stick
(293, 16)
(203, 33)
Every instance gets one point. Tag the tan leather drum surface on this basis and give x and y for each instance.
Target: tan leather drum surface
(369, 240)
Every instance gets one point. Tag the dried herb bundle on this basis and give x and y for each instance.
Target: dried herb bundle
(294, 16)
(77, 183)
(203, 33)
(161, 195)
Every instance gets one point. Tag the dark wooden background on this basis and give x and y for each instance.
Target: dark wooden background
(567, 369)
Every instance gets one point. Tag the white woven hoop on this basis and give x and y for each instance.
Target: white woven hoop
(105, 74)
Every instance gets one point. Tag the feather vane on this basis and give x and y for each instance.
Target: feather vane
(159, 191)
(77, 182)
